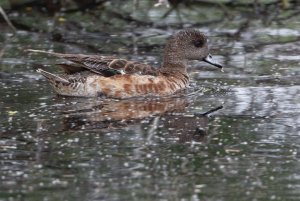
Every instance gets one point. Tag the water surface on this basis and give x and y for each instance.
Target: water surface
(58, 148)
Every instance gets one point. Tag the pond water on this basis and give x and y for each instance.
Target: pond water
(233, 135)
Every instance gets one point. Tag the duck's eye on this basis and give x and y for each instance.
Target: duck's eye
(198, 43)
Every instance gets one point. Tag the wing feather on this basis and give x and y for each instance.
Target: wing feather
(103, 65)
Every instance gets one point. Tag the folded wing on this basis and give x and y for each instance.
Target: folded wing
(103, 65)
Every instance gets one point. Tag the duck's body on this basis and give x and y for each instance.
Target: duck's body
(118, 86)
(92, 76)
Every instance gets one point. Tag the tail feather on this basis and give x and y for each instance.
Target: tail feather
(46, 52)
(52, 77)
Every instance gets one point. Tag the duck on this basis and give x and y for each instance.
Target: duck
(118, 78)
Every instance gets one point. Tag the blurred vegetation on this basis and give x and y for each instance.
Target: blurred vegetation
(95, 15)
(85, 23)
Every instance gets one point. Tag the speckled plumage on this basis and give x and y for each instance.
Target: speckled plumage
(93, 75)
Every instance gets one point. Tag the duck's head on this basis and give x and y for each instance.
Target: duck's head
(186, 45)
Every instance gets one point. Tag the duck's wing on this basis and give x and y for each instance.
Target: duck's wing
(103, 65)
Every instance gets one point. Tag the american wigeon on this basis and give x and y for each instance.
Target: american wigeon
(94, 75)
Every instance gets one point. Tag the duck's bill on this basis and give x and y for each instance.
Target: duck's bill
(210, 60)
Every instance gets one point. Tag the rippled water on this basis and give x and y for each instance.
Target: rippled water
(246, 148)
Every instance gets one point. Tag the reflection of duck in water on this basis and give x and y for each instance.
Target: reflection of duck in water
(164, 114)
(92, 75)
(111, 112)
(186, 128)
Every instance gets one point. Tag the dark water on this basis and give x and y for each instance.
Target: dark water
(56, 148)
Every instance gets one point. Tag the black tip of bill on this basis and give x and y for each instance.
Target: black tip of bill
(210, 60)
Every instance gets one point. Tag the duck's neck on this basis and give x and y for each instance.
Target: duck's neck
(173, 61)
(176, 71)
(173, 64)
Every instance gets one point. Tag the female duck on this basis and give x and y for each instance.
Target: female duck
(93, 75)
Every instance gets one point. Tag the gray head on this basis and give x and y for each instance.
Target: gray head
(186, 45)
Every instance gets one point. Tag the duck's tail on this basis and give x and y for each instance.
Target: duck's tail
(52, 77)
(46, 52)
(66, 87)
